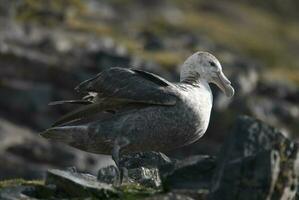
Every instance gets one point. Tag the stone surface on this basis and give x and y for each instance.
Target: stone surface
(15, 193)
(193, 172)
(170, 196)
(109, 175)
(199, 194)
(149, 160)
(256, 162)
(75, 184)
(147, 177)
(253, 177)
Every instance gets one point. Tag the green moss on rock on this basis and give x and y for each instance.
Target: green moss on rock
(18, 182)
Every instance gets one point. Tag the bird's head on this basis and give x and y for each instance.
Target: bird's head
(203, 66)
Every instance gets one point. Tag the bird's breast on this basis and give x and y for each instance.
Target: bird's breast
(199, 102)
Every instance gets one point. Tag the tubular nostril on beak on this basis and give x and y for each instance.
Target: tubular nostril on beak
(223, 78)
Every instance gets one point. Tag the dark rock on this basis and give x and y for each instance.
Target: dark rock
(148, 160)
(108, 175)
(245, 75)
(106, 59)
(170, 196)
(191, 173)
(151, 41)
(15, 167)
(13, 193)
(77, 185)
(256, 162)
(279, 89)
(199, 194)
(27, 99)
(250, 136)
(147, 177)
(253, 177)
(275, 111)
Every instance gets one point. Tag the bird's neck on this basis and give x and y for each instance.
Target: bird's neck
(194, 79)
(188, 74)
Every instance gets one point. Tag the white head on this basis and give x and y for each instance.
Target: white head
(203, 66)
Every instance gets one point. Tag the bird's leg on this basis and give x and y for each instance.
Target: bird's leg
(119, 143)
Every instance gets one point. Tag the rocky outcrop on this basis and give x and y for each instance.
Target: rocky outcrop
(148, 160)
(147, 177)
(109, 175)
(256, 162)
(191, 173)
(73, 184)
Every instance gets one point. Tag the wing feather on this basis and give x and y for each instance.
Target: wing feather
(119, 87)
(135, 85)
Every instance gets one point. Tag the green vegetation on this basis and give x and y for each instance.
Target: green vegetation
(16, 182)
(130, 191)
(48, 13)
(136, 191)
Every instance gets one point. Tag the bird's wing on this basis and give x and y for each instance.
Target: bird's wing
(85, 111)
(80, 101)
(131, 85)
(118, 88)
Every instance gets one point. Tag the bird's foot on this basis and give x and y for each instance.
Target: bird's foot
(120, 143)
(123, 175)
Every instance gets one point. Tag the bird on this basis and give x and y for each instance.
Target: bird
(126, 110)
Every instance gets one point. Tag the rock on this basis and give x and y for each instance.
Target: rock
(147, 159)
(191, 173)
(107, 59)
(25, 190)
(282, 89)
(245, 75)
(170, 196)
(147, 177)
(108, 175)
(250, 136)
(73, 184)
(15, 167)
(276, 112)
(256, 162)
(199, 194)
(17, 192)
(252, 177)
(151, 41)
(27, 99)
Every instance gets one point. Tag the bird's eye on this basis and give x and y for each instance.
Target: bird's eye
(212, 64)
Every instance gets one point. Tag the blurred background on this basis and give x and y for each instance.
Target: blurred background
(48, 47)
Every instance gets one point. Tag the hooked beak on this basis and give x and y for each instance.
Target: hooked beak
(224, 84)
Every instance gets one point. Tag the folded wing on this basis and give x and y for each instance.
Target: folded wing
(117, 88)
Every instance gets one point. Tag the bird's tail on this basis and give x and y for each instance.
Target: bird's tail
(65, 134)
